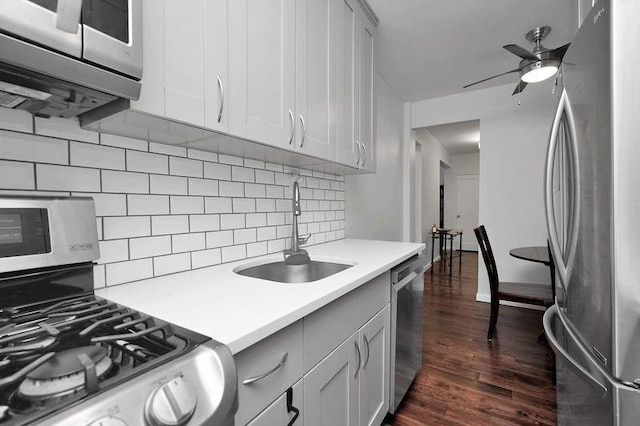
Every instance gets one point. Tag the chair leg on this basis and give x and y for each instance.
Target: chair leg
(495, 306)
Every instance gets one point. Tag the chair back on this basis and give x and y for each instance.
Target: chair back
(489, 260)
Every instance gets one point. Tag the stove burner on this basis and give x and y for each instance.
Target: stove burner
(65, 372)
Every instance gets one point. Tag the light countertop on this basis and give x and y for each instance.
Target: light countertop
(240, 311)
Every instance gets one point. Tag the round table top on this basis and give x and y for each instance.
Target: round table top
(538, 254)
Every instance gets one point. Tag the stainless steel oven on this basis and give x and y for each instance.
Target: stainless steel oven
(407, 310)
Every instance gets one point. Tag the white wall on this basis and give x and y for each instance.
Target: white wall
(163, 209)
(374, 206)
(432, 155)
(512, 159)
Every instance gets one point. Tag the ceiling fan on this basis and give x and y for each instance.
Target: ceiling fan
(535, 66)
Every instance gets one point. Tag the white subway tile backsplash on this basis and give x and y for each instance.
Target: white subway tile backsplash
(171, 185)
(123, 142)
(114, 251)
(16, 119)
(217, 205)
(219, 239)
(171, 264)
(147, 162)
(65, 178)
(242, 174)
(243, 236)
(126, 227)
(64, 128)
(132, 270)
(96, 156)
(185, 167)
(150, 246)
(208, 187)
(230, 254)
(188, 242)
(17, 175)
(186, 205)
(229, 159)
(204, 222)
(38, 149)
(125, 182)
(159, 148)
(139, 205)
(174, 224)
(202, 258)
(217, 171)
(244, 205)
(164, 208)
(232, 221)
(231, 189)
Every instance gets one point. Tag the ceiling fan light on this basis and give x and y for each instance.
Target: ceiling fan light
(538, 72)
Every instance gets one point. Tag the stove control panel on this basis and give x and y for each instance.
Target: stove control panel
(108, 421)
(172, 403)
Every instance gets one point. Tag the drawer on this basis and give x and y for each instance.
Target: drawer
(262, 358)
(330, 325)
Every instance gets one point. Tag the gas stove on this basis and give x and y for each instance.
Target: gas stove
(68, 356)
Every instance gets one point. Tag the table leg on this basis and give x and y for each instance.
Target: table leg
(460, 252)
(450, 255)
(433, 237)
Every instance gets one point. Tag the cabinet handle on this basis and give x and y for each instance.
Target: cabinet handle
(357, 144)
(364, 155)
(293, 126)
(366, 345)
(263, 375)
(359, 359)
(291, 408)
(304, 131)
(221, 99)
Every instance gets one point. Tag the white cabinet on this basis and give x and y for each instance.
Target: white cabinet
(280, 413)
(216, 64)
(351, 385)
(366, 93)
(262, 70)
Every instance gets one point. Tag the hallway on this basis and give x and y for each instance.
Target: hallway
(467, 380)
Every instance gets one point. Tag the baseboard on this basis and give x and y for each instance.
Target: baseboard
(486, 298)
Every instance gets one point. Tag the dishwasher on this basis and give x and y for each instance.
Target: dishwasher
(407, 308)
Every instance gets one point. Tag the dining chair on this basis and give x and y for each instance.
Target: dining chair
(534, 294)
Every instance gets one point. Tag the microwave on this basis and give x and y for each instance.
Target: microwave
(65, 57)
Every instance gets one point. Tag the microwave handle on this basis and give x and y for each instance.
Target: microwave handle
(68, 15)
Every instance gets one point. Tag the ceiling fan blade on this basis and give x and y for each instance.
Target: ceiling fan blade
(559, 52)
(520, 51)
(520, 87)
(489, 78)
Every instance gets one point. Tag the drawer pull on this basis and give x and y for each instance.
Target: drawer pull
(263, 375)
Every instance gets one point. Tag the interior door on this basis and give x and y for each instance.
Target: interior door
(467, 190)
(36, 20)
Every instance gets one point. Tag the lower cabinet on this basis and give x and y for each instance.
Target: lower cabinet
(351, 385)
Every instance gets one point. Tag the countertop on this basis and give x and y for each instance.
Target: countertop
(240, 311)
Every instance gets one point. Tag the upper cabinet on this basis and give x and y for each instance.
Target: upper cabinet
(366, 93)
(216, 65)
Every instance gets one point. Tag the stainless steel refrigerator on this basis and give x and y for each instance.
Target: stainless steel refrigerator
(592, 195)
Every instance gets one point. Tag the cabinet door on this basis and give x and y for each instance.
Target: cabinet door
(347, 90)
(331, 387)
(216, 91)
(184, 61)
(366, 95)
(277, 413)
(315, 78)
(262, 70)
(374, 375)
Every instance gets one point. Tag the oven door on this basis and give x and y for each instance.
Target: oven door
(112, 31)
(51, 23)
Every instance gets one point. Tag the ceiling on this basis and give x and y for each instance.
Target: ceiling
(431, 48)
(457, 138)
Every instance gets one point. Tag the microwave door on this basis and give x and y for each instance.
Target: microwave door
(112, 32)
(40, 22)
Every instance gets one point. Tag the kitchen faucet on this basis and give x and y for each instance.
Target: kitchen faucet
(296, 255)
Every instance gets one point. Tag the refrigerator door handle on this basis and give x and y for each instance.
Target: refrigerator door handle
(557, 347)
(563, 266)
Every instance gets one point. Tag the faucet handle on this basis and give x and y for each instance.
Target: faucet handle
(303, 240)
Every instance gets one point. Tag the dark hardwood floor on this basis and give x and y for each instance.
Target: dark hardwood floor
(468, 380)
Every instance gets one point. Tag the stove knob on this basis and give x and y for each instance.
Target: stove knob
(171, 404)
(108, 421)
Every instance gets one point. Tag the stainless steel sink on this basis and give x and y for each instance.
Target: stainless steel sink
(283, 273)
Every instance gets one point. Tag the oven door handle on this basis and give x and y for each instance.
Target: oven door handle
(409, 278)
(68, 15)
